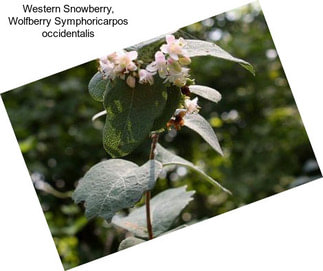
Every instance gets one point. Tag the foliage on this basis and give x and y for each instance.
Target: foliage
(170, 159)
(197, 123)
(202, 48)
(166, 207)
(131, 113)
(265, 146)
(112, 185)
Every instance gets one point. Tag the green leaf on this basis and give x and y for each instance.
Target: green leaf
(205, 48)
(206, 92)
(112, 185)
(200, 125)
(170, 159)
(98, 86)
(131, 113)
(147, 49)
(173, 100)
(165, 208)
(130, 242)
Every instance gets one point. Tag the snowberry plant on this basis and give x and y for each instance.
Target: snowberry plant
(146, 90)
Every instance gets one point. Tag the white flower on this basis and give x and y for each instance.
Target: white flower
(124, 61)
(146, 77)
(160, 65)
(191, 105)
(174, 47)
(113, 57)
(131, 81)
(169, 64)
(178, 78)
(106, 68)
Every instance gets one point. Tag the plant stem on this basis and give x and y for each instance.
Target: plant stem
(154, 138)
(148, 218)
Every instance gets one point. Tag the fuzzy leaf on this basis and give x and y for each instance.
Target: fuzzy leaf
(200, 125)
(112, 185)
(131, 113)
(205, 48)
(130, 242)
(206, 92)
(98, 86)
(165, 208)
(172, 103)
(170, 159)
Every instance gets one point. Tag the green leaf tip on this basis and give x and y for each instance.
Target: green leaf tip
(168, 158)
(200, 125)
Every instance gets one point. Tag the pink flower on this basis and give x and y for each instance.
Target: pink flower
(124, 61)
(106, 67)
(174, 47)
(159, 65)
(146, 77)
(112, 57)
(117, 64)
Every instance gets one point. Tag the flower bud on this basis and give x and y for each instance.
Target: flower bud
(131, 81)
(184, 60)
(174, 65)
(190, 82)
(180, 82)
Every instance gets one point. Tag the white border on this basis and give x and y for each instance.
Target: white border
(283, 232)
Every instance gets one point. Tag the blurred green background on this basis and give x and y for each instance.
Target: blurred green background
(257, 122)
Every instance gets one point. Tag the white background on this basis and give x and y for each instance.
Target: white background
(283, 232)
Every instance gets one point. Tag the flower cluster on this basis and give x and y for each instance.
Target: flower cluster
(169, 63)
(118, 65)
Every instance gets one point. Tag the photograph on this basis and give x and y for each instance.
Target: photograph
(161, 135)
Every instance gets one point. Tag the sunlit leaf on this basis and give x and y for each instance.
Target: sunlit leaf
(205, 48)
(100, 114)
(200, 125)
(206, 92)
(168, 158)
(112, 185)
(165, 208)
